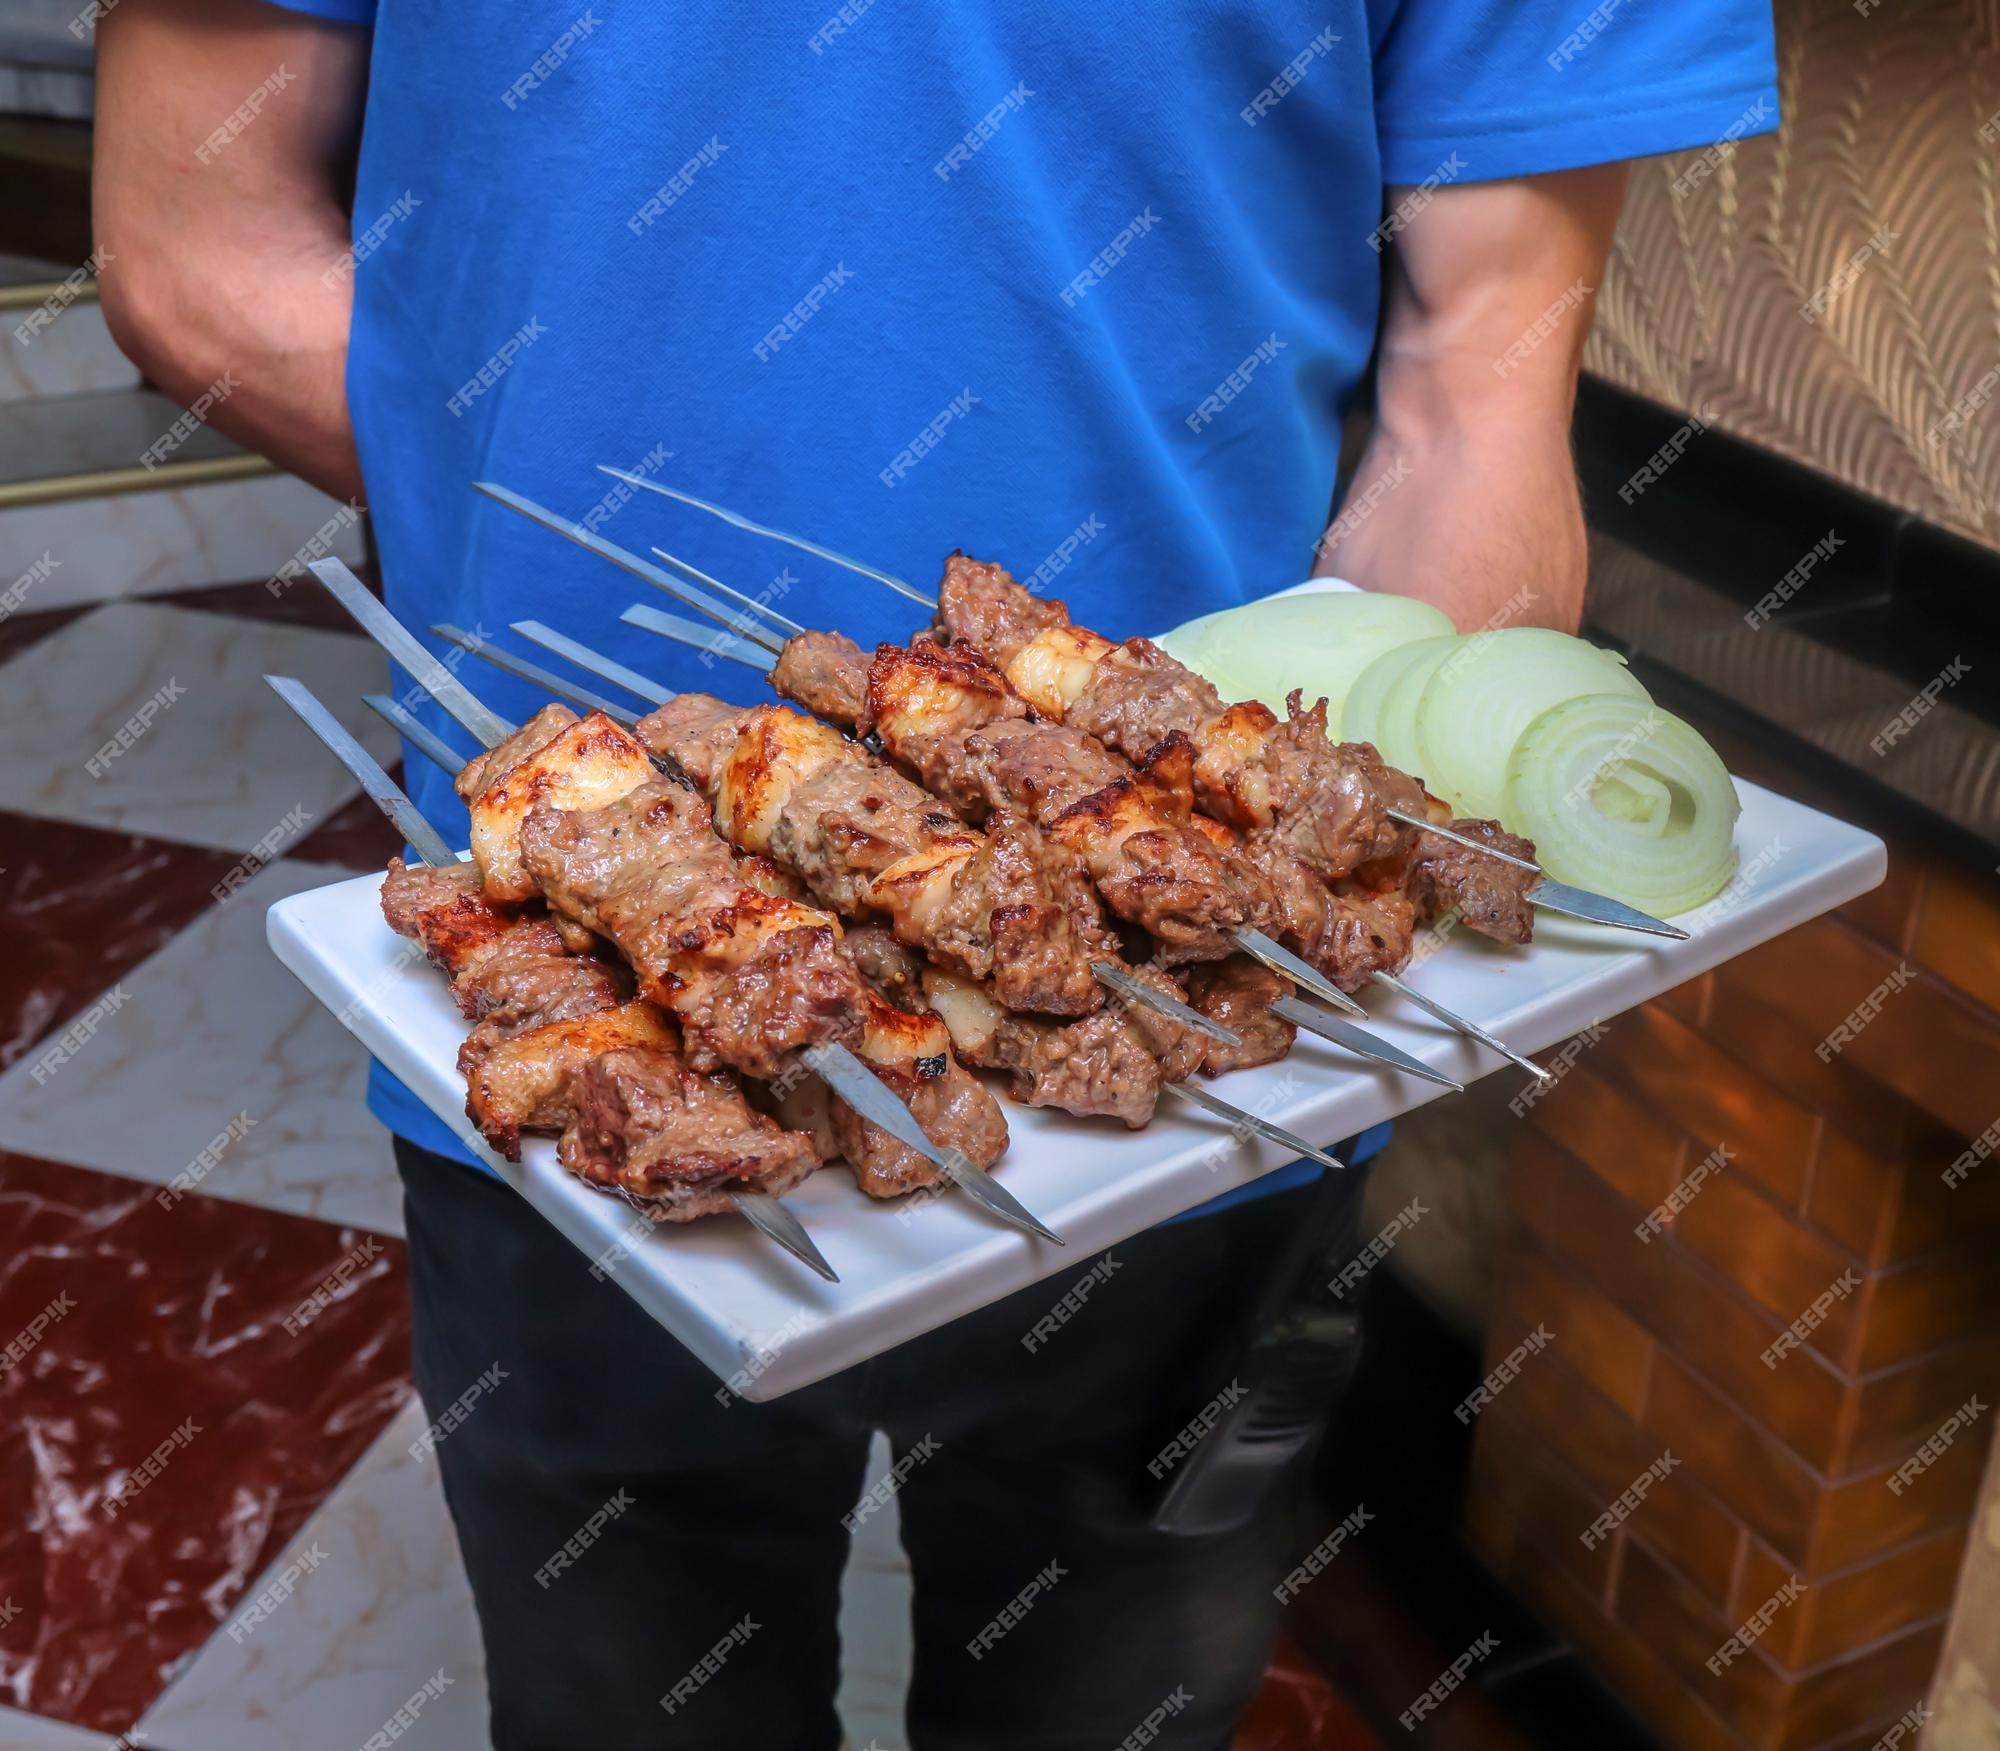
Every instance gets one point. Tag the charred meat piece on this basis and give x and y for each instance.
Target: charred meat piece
(521, 1081)
(531, 738)
(953, 717)
(865, 839)
(522, 990)
(753, 978)
(446, 912)
(1110, 1064)
(585, 765)
(1038, 917)
(827, 673)
(1491, 896)
(981, 605)
(646, 1125)
(893, 968)
(697, 729)
(1140, 694)
(912, 1055)
(1239, 993)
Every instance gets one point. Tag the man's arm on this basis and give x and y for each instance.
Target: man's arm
(215, 269)
(1466, 495)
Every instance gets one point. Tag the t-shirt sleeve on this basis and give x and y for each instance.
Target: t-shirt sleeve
(1518, 87)
(333, 11)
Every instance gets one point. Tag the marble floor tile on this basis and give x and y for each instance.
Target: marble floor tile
(188, 1383)
(382, 1607)
(26, 1732)
(222, 763)
(210, 1029)
(73, 355)
(296, 601)
(355, 837)
(79, 908)
(170, 538)
(42, 437)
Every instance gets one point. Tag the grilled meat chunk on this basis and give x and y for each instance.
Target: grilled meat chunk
(953, 717)
(827, 673)
(1111, 1063)
(584, 765)
(523, 990)
(912, 1055)
(1140, 694)
(753, 978)
(445, 910)
(894, 969)
(521, 1081)
(981, 605)
(866, 839)
(1491, 896)
(696, 729)
(531, 738)
(646, 1125)
(1239, 993)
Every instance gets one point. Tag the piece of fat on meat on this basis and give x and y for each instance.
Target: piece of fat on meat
(589, 764)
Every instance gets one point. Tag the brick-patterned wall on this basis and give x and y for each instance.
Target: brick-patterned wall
(1781, 1472)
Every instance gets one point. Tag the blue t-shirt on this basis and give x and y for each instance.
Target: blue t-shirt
(1080, 288)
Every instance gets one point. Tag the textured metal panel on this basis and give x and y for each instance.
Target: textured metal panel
(1892, 119)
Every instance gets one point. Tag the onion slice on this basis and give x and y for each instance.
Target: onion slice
(1317, 640)
(1361, 716)
(1476, 705)
(1627, 799)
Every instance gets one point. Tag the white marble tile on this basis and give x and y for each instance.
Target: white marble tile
(383, 1607)
(222, 763)
(875, 1625)
(73, 354)
(212, 1027)
(143, 543)
(76, 434)
(26, 1732)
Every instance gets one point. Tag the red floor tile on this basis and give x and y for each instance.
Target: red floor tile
(1298, 1710)
(79, 908)
(166, 1318)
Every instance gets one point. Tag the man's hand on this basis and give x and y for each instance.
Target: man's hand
(1466, 495)
(217, 244)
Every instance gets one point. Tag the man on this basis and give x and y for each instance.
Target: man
(1083, 289)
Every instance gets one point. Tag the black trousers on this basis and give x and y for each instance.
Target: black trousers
(711, 1579)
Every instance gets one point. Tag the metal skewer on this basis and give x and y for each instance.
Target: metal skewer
(1239, 1119)
(835, 1065)
(1360, 1041)
(434, 748)
(1471, 1029)
(1552, 896)
(798, 541)
(766, 1213)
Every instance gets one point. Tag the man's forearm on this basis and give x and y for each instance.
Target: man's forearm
(1466, 496)
(223, 270)
(1486, 525)
(263, 325)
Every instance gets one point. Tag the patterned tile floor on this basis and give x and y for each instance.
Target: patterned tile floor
(145, 1031)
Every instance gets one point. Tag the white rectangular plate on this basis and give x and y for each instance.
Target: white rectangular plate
(762, 1321)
